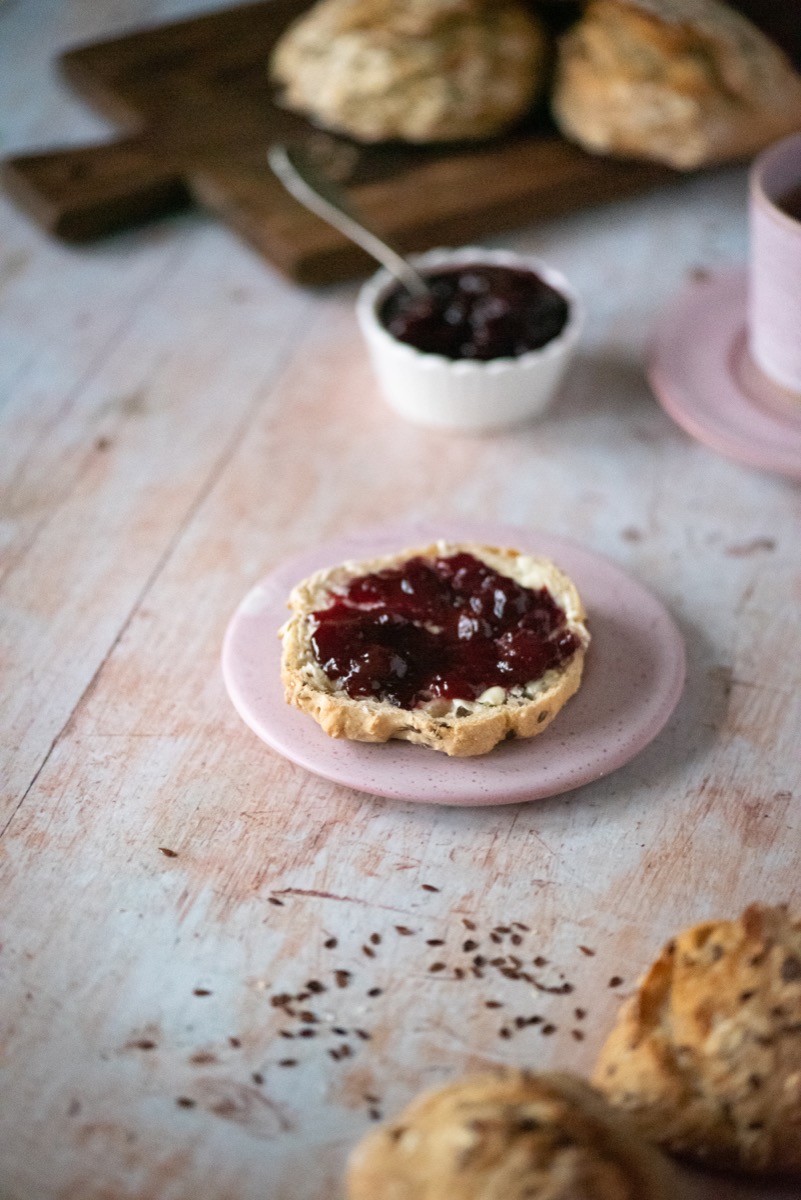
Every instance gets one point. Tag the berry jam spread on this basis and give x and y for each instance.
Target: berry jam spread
(478, 312)
(445, 628)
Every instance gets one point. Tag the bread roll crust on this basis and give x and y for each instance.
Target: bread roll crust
(706, 1056)
(508, 1135)
(413, 70)
(460, 728)
(686, 82)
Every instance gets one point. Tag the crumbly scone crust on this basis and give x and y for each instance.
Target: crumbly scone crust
(505, 1135)
(686, 82)
(706, 1056)
(414, 70)
(473, 728)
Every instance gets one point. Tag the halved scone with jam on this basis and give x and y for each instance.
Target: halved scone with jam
(456, 646)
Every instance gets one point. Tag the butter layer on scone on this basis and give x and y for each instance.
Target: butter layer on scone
(706, 1056)
(509, 1135)
(685, 82)
(411, 70)
(458, 662)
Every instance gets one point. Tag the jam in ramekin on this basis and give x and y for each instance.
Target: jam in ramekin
(477, 311)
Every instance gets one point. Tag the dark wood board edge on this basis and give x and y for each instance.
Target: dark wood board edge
(423, 207)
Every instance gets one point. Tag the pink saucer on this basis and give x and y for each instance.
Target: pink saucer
(633, 677)
(699, 368)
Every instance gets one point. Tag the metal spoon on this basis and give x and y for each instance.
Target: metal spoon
(303, 178)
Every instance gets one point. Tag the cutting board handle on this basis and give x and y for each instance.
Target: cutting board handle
(83, 193)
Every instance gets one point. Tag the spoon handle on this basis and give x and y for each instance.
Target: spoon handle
(308, 184)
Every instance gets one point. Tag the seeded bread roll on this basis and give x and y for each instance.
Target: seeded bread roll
(706, 1057)
(685, 82)
(413, 70)
(509, 1135)
(457, 727)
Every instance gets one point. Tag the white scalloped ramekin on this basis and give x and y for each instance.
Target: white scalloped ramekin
(464, 394)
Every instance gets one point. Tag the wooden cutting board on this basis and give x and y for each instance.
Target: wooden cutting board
(196, 114)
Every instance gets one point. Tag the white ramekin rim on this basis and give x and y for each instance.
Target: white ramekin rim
(374, 290)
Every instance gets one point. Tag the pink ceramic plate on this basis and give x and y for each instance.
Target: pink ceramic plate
(703, 378)
(633, 677)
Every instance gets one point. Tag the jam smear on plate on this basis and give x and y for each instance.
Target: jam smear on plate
(440, 628)
(477, 311)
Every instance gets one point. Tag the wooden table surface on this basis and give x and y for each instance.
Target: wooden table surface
(176, 420)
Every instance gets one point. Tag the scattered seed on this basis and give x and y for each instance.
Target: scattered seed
(458, 973)
(469, 945)
(492, 1004)
(280, 1000)
(504, 1032)
(429, 887)
(315, 986)
(339, 1031)
(330, 943)
(144, 1044)
(165, 850)
(539, 961)
(287, 1062)
(501, 929)
(285, 1033)
(369, 951)
(404, 930)
(586, 950)
(548, 1029)
(577, 1034)
(468, 924)
(375, 938)
(276, 901)
(437, 966)
(580, 1013)
(615, 981)
(496, 938)
(515, 939)
(521, 925)
(342, 978)
(201, 992)
(435, 941)
(375, 991)
(202, 1057)
(363, 1034)
(374, 1114)
(308, 1018)
(307, 1032)
(185, 1102)
(257, 1078)
(234, 1042)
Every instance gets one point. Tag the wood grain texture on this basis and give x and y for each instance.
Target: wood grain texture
(176, 419)
(198, 111)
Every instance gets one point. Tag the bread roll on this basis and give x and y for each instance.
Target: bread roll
(413, 70)
(706, 1057)
(509, 1135)
(685, 82)
(458, 726)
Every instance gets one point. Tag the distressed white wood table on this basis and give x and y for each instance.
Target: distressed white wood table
(176, 420)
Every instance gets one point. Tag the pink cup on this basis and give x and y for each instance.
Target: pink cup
(774, 280)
